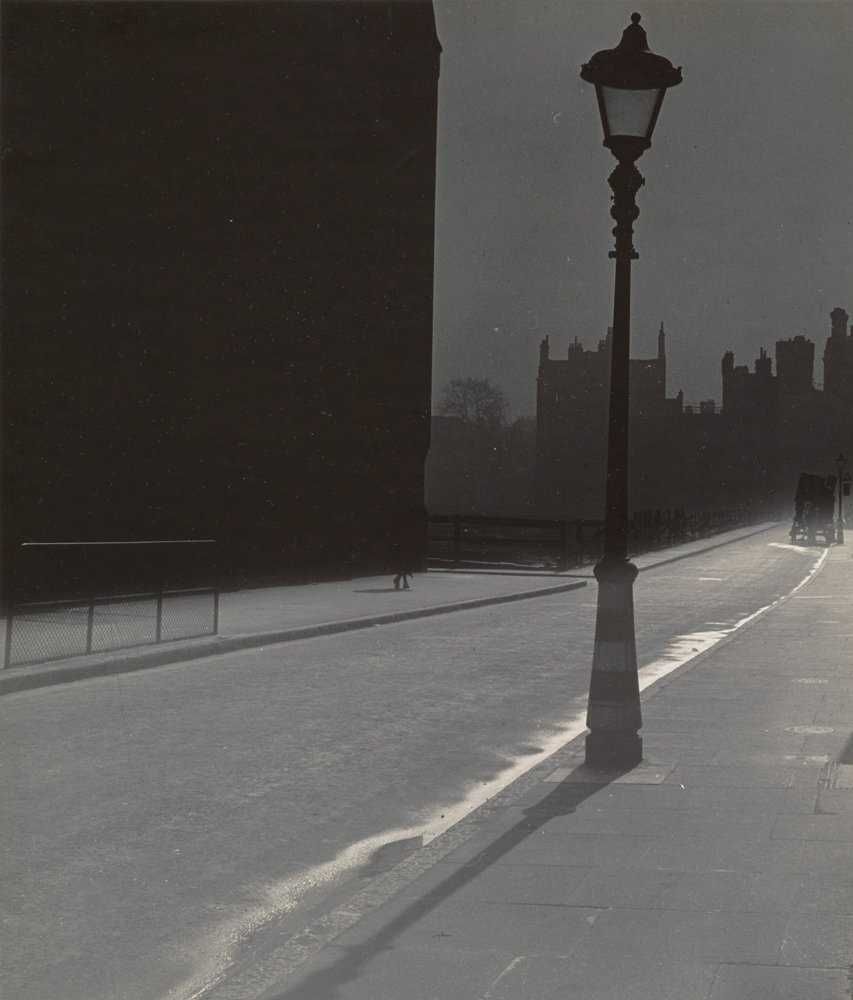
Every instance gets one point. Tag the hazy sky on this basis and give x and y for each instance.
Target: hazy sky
(745, 232)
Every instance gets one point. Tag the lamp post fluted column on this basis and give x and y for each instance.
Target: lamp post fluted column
(625, 182)
(630, 84)
(614, 716)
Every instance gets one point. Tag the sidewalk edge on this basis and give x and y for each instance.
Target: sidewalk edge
(717, 545)
(49, 675)
(66, 673)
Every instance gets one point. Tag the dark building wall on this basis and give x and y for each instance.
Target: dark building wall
(218, 265)
(571, 426)
(795, 365)
(752, 395)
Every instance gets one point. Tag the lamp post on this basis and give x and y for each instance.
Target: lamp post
(630, 84)
(841, 461)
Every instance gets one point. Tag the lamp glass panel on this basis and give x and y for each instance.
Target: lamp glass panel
(629, 112)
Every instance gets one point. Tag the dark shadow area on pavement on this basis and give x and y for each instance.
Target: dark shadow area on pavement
(846, 755)
(549, 575)
(562, 801)
(377, 590)
(388, 855)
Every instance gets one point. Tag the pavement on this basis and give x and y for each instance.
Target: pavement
(720, 868)
(257, 617)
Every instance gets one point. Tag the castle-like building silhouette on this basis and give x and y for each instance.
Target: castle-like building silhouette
(745, 453)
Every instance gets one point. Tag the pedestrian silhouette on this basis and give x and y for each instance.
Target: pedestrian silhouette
(403, 546)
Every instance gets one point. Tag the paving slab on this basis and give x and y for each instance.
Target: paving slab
(760, 982)
(603, 978)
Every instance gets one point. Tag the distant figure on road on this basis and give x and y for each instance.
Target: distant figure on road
(403, 548)
(402, 562)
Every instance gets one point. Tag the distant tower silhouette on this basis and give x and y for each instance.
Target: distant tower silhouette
(661, 374)
(839, 319)
(763, 365)
(748, 392)
(795, 366)
(727, 370)
(838, 357)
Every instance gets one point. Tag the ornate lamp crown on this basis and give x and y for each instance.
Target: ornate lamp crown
(630, 66)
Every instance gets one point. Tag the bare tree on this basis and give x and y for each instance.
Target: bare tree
(475, 401)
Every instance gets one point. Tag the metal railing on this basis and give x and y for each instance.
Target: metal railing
(63, 621)
(465, 538)
(460, 539)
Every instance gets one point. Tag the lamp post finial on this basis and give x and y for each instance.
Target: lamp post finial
(634, 37)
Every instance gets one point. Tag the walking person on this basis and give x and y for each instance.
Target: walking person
(403, 547)
(402, 562)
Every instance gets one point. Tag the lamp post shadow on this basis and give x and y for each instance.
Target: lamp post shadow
(579, 785)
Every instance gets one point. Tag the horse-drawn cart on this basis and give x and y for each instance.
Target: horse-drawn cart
(814, 509)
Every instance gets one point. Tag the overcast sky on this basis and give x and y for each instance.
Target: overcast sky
(745, 232)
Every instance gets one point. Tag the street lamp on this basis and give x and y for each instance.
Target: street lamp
(840, 462)
(630, 83)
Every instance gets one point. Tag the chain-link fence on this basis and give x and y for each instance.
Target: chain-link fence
(52, 630)
(49, 618)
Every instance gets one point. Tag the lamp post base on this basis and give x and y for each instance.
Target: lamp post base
(613, 713)
(609, 751)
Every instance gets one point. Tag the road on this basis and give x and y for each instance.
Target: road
(156, 820)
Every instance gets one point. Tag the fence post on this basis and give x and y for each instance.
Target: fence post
(159, 626)
(90, 624)
(216, 611)
(457, 538)
(7, 652)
